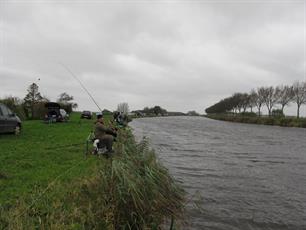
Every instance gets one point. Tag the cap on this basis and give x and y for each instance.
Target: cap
(99, 115)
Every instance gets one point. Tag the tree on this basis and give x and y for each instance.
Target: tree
(15, 104)
(157, 110)
(31, 99)
(271, 96)
(245, 101)
(285, 95)
(299, 92)
(235, 102)
(228, 104)
(11, 102)
(64, 99)
(260, 99)
(252, 99)
(123, 108)
(193, 113)
(146, 110)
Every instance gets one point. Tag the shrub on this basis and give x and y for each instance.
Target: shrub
(278, 113)
(248, 114)
(285, 121)
(303, 123)
(268, 121)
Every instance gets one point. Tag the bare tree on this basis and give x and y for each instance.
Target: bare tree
(260, 99)
(252, 99)
(285, 95)
(271, 96)
(299, 91)
(123, 108)
(245, 101)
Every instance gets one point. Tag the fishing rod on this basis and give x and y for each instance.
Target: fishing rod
(82, 85)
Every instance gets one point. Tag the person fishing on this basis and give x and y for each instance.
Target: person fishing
(120, 118)
(105, 135)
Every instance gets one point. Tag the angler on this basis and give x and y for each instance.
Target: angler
(104, 135)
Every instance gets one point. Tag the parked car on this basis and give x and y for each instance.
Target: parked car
(9, 121)
(55, 113)
(86, 114)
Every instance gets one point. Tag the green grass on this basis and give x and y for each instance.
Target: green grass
(41, 153)
(131, 190)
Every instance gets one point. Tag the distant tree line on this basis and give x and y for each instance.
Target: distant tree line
(32, 106)
(269, 97)
(156, 110)
(159, 111)
(153, 111)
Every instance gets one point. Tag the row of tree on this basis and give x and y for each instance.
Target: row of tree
(270, 97)
(32, 106)
(156, 110)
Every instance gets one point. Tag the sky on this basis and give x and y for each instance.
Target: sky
(181, 55)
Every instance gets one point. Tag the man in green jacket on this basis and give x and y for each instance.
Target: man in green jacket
(103, 134)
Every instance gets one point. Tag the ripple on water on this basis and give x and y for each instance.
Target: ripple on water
(237, 176)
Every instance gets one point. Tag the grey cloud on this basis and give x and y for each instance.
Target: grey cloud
(181, 55)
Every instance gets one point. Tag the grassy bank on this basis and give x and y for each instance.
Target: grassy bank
(279, 121)
(47, 183)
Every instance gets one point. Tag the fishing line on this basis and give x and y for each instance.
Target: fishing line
(82, 85)
(64, 146)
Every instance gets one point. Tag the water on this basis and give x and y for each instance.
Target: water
(238, 176)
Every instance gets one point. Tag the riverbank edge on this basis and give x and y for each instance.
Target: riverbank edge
(274, 121)
(151, 196)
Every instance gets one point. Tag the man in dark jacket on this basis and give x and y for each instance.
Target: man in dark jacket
(104, 134)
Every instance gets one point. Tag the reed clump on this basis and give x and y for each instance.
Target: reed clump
(130, 190)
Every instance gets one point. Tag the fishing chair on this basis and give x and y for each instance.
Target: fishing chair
(97, 148)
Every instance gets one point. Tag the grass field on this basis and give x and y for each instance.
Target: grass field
(40, 154)
(47, 182)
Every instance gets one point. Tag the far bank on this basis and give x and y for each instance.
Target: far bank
(263, 120)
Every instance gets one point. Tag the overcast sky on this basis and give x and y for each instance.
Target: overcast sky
(181, 55)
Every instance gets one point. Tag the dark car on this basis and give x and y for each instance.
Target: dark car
(54, 113)
(9, 121)
(86, 114)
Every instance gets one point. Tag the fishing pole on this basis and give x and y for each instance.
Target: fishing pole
(82, 85)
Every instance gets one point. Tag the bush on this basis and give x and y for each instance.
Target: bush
(278, 113)
(268, 121)
(285, 121)
(303, 123)
(248, 114)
